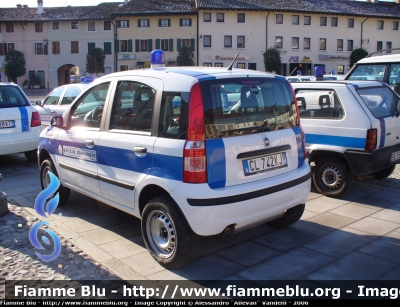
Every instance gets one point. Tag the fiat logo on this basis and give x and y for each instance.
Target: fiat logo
(265, 142)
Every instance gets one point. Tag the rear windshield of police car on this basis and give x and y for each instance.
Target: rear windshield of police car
(381, 101)
(238, 106)
(11, 97)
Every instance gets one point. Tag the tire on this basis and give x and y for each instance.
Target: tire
(290, 217)
(386, 172)
(31, 155)
(46, 166)
(166, 233)
(332, 177)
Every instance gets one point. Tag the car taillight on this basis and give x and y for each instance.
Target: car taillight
(35, 121)
(371, 139)
(194, 153)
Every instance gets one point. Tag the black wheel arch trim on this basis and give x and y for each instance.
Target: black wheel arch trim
(196, 202)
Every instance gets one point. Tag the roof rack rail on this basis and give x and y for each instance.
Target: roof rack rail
(379, 51)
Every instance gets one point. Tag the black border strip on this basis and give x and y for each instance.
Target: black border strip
(261, 152)
(117, 183)
(94, 176)
(77, 170)
(246, 196)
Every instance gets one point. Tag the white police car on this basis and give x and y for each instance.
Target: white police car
(162, 145)
(352, 129)
(20, 123)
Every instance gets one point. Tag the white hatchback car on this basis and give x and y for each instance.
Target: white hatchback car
(172, 153)
(352, 130)
(20, 124)
(57, 101)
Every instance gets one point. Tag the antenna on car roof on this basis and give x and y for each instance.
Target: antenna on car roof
(230, 66)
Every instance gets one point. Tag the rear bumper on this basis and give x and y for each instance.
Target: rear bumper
(19, 142)
(210, 211)
(365, 163)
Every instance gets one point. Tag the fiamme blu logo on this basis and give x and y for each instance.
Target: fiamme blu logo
(46, 201)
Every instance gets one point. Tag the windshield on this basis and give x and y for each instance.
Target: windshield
(368, 72)
(381, 101)
(242, 106)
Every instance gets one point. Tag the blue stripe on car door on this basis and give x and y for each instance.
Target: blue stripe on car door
(335, 140)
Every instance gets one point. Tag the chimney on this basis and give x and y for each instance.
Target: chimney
(19, 6)
(40, 7)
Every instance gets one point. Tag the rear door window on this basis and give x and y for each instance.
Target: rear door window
(173, 115)
(319, 104)
(247, 105)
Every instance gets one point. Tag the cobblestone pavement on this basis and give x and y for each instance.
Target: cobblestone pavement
(393, 181)
(19, 262)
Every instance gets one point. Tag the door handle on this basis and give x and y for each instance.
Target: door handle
(89, 143)
(140, 151)
(53, 111)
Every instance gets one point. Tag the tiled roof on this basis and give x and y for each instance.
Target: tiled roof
(339, 7)
(101, 11)
(148, 7)
(144, 7)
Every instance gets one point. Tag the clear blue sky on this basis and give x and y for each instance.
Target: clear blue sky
(57, 3)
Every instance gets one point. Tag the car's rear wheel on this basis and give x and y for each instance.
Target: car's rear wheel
(332, 177)
(31, 155)
(166, 233)
(386, 172)
(290, 217)
(46, 167)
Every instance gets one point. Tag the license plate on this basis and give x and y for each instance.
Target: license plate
(7, 124)
(395, 156)
(264, 164)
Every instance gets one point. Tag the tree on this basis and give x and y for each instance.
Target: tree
(15, 65)
(357, 55)
(272, 60)
(95, 61)
(185, 57)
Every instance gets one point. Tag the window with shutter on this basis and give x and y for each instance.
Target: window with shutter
(107, 48)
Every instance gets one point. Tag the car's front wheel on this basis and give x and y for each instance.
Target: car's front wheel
(166, 233)
(332, 177)
(46, 167)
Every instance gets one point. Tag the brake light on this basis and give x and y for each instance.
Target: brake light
(371, 139)
(194, 153)
(35, 121)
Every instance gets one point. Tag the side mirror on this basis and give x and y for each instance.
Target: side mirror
(57, 121)
(38, 102)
